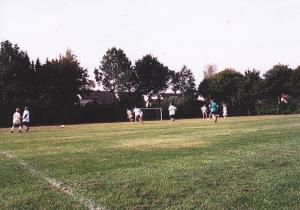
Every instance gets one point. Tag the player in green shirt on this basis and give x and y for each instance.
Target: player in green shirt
(214, 110)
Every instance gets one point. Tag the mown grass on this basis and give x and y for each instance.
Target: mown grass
(238, 163)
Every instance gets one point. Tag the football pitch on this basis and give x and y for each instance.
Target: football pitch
(237, 163)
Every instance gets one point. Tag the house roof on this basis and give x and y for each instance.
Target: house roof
(103, 97)
(106, 97)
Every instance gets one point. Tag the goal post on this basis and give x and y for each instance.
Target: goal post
(148, 111)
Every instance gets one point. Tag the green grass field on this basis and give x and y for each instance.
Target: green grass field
(238, 163)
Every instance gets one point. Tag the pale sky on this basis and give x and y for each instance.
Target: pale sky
(240, 34)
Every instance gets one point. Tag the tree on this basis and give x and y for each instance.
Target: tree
(116, 73)
(174, 81)
(184, 81)
(15, 73)
(210, 71)
(62, 80)
(277, 80)
(36, 79)
(295, 82)
(206, 88)
(251, 89)
(152, 76)
(223, 86)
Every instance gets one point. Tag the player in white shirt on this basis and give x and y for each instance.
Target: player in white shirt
(138, 114)
(204, 111)
(172, 110)
(16, 121)
(26, 119)
(129, 115)
(224, 110)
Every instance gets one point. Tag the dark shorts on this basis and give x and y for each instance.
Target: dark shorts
(172, 116)
(214, 112)
(26, 123)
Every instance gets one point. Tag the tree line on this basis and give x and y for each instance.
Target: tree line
(51, 89)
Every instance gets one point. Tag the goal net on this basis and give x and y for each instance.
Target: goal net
(152, 113)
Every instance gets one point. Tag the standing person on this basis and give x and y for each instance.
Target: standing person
(130, 115)
(204, 111)
(16, 121)
(214, 110)
(224, 110)
(138, 114)
(26, 118)
(172, 110)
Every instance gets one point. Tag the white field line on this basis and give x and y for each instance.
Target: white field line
(88, 203)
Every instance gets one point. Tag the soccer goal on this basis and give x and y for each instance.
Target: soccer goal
(152, 113)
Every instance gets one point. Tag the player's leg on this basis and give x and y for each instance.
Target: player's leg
(215, 116)
(138, 118)
(12, 128)
(20, 128)
(141, 119)
(26, 126)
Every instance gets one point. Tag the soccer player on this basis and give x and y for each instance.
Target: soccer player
(130, 115)
(224, 110)
(138, 114)
(16, 121)
(26, 118)
(214, 110)
(172, 110)
(204, 111)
